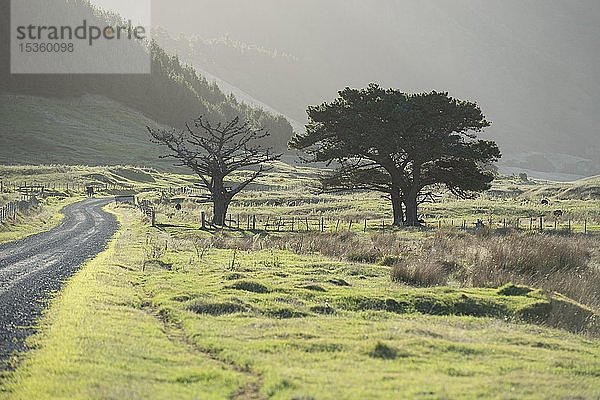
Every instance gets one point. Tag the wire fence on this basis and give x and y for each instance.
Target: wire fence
(303, 223)
(10, 210)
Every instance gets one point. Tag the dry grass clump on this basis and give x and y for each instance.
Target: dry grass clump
(565, 264)
(348, 246)
(430, 272)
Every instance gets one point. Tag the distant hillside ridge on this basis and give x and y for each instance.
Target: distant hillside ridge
(171, 95)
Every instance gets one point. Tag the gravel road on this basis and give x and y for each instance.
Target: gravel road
(33, 267)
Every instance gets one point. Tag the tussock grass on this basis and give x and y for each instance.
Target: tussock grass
(566, 264)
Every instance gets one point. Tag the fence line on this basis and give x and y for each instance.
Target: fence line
(304, 223)
(14, 186)
(10, 210)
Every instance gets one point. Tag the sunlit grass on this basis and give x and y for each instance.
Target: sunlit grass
(154, 317)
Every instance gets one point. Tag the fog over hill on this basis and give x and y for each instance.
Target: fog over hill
(532, 66)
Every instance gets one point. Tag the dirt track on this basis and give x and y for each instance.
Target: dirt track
(33, 267)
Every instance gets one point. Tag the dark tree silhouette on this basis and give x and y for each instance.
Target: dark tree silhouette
(400, 144)
(213, 152)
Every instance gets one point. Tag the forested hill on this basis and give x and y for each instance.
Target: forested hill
(171, 95)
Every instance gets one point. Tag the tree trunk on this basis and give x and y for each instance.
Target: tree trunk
(412, 216)
(397, 208)
(220, 206)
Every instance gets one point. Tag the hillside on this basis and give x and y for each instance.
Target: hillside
(171, 95)
(90, 130)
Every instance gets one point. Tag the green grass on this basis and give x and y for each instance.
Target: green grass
(44, 217)
(98, 340)
(153, 318)
(89, 130)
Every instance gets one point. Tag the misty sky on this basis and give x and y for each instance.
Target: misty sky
(533, 66)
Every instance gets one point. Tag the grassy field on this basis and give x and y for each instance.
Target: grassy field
(66, 130)
(433, 313)
(162, 315)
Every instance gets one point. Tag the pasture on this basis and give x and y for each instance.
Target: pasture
(335, 310)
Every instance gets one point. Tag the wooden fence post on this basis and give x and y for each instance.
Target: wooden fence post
(203, 219)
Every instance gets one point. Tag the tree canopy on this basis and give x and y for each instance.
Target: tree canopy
(399, 144)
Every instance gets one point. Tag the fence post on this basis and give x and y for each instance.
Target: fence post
(253, 222)
(203, 219)
(365, 227)
(322, 224)
(541, 223)
(585, 226)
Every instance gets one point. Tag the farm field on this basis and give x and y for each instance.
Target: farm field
(340, 311)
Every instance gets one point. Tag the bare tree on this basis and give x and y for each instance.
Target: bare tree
(213, 152)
